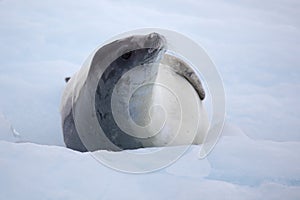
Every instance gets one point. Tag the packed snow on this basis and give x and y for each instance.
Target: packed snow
(238, 168)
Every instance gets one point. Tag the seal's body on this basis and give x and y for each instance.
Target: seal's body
(103, 107)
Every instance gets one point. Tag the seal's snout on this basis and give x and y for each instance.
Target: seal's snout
(155, 40)
(153, 36)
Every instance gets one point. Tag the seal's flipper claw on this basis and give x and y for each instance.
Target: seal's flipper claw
(67, 79)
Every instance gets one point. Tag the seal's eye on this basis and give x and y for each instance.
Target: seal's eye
(127, 55)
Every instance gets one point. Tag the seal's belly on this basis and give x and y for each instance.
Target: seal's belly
(173, 115)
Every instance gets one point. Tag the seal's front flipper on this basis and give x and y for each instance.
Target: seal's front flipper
(184, 70)
(67, 79)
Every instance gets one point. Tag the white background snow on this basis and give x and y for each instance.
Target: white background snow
(255, 46)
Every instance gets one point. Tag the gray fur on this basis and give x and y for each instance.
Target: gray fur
(108, 64)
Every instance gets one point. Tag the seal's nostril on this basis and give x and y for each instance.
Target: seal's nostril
(153, 36)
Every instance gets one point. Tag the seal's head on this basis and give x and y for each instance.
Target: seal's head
(138, 49)
(141, 49)
(131, 51)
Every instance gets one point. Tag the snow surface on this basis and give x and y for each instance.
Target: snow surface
(238, 168)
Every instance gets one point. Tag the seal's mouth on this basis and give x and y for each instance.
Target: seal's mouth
(154, 55)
